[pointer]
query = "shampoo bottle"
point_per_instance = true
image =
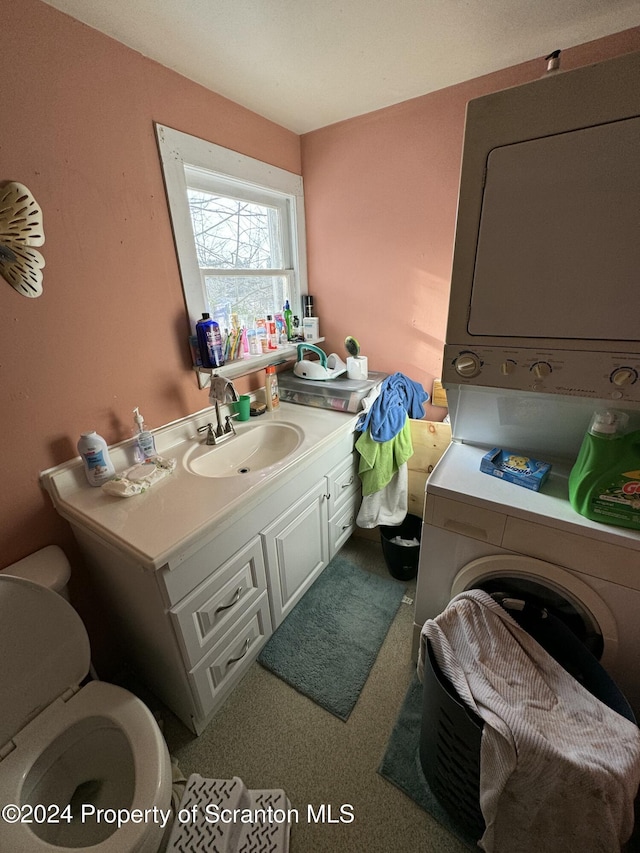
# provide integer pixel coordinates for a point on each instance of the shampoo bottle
(144, 438)
(209, 342)
(95, 454)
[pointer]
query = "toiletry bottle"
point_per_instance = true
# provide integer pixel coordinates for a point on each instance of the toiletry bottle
(296, 328)
(254, 343)
(144, 438)
(307, 306)
(272, 335)
(210, 342)
(95, 454)
(288, 314)
(261, 332)
(272, 396)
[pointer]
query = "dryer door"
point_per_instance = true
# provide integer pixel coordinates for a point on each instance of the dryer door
(566, 596)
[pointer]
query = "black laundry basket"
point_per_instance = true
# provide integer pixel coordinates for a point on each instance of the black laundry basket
(451, 733)
(402, 560)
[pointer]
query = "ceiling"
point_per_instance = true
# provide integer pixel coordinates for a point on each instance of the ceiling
(308, 63)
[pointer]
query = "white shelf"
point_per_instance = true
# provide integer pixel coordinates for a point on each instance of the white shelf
(251, 363)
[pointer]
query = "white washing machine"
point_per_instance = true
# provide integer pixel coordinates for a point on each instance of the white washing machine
(542, 331)
(480, 531)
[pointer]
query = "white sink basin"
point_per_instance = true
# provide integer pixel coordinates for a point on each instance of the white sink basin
(253, 449)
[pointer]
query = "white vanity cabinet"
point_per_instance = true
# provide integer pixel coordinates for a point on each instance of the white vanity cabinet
(191, 626)
(344, 501)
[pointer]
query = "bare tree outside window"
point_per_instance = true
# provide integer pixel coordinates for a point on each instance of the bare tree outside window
(239, 250)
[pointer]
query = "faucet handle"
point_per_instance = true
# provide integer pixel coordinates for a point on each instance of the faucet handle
(210, 433)
(229, 428)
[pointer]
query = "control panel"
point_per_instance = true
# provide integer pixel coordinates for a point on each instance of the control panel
(603, 376)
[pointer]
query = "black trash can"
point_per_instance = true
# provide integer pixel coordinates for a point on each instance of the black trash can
(402, 560)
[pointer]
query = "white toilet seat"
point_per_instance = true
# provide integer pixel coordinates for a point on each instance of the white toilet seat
(100, 707)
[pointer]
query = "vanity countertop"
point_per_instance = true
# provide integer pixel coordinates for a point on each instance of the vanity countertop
(184, 506)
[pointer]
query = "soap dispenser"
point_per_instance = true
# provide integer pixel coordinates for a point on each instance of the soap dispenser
(144, 438)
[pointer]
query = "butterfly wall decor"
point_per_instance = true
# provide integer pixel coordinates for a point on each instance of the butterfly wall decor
(20, 229)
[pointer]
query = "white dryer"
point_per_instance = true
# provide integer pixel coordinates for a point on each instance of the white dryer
(480, 531)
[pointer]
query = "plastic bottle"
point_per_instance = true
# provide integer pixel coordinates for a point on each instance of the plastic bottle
(604, 483)
(144, 438)
(296, 328)
(271, 392)
(288, 314)
(261, 333)
(272, 335)
(209, 342)
(254, 343)
(95, 454)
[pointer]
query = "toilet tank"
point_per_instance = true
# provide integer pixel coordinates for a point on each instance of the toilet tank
(48, 567)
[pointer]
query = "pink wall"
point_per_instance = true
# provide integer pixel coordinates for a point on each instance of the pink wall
(109, 332)
(381, 195)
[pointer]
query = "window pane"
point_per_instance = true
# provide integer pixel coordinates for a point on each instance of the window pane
(235, 234)
(250, 298)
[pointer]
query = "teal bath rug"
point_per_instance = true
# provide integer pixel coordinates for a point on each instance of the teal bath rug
(401, 762)
(326, 646)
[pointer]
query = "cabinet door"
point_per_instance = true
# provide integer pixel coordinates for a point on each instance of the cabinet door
(296, 547)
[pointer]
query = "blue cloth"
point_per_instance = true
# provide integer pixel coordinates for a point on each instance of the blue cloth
(399, 396)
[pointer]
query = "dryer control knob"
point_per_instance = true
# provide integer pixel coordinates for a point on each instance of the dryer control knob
(624, 376)
(541, 369)
(467, 365)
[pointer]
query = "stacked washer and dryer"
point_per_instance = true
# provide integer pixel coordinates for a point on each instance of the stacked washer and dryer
(543, 330)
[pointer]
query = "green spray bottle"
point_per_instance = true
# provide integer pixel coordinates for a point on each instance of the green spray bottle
(604, 483)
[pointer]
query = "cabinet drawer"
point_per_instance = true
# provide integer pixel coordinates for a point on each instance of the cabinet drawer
(342, 524)
(229, 659)
(210, 610)
(342, 480)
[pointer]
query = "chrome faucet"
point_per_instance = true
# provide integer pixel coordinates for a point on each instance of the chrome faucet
(222, 391)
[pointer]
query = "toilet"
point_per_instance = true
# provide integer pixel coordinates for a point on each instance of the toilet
(76, 762)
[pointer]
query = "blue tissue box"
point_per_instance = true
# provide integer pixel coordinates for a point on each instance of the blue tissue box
(515, 468)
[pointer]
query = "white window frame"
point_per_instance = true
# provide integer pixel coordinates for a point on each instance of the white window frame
(180, 151)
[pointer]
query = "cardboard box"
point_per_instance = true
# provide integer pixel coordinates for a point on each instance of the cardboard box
(515, 468)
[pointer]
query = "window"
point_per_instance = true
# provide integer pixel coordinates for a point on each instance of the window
(239, 230)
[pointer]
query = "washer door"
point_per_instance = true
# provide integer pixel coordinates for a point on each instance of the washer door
(562, 593)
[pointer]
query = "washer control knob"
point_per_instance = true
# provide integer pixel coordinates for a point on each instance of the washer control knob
(467, 365)
(508, 367)
(541, 369)
(624, 376)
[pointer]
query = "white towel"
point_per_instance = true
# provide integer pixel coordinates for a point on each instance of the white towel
(387, 506)
(559, 770)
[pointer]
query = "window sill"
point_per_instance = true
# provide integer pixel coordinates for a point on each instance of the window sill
(250, 364)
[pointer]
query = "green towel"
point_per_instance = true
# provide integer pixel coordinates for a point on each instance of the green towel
(379, 460)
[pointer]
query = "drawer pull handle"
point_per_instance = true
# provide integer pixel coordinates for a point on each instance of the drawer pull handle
(245, 649)
(348, 483)
(348, 524)
(233, 601)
